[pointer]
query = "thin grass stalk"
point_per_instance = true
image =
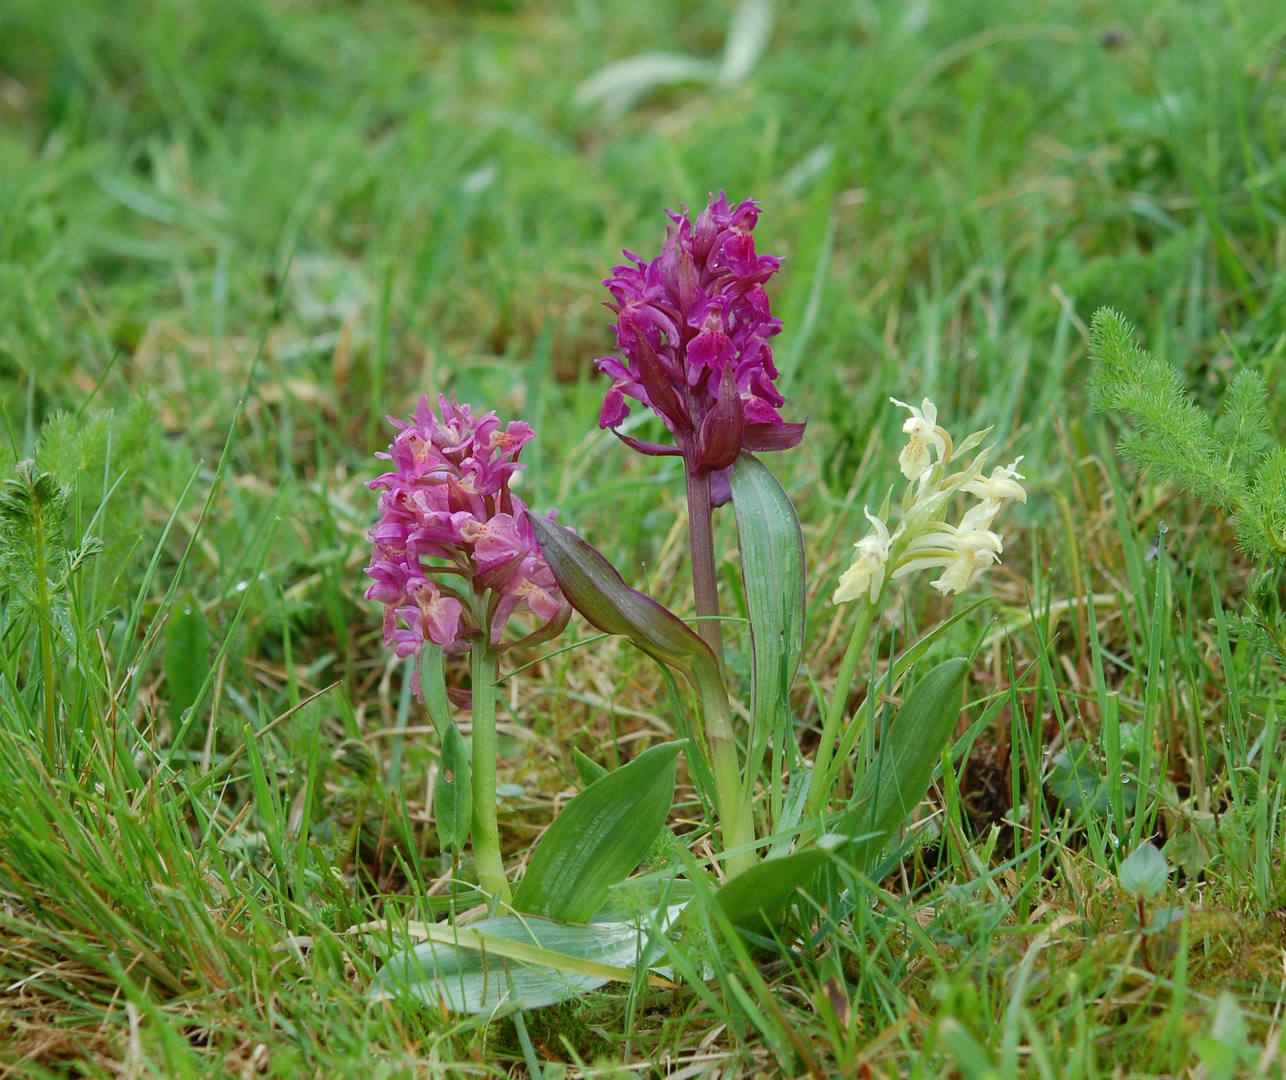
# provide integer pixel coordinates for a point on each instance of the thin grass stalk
(46, 640)
(839, 701)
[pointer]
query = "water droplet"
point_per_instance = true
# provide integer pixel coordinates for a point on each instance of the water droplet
(242, 586)
(1047, 750)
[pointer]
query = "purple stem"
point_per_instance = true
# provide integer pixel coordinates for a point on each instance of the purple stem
(704, 587)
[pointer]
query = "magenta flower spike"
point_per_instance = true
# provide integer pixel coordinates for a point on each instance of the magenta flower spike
(693, 325)
(454, 553)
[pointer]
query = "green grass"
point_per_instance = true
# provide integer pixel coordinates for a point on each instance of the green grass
(234, 236)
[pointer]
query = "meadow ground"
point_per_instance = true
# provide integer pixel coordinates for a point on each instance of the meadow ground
(234, 236)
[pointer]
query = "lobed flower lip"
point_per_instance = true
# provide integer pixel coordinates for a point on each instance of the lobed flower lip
(447, 499)
(866, 574)
(693, 325)
(924, 432)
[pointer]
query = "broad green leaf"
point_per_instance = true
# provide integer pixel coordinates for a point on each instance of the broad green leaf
(902, 770)
(593, 587)
(587, 768)
(187, 656)
(772, 571)
(758, 897)
(600, 836)
(453, 793)
(883, 684)
(512, 960)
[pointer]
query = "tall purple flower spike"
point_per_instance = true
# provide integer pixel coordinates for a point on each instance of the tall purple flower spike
(454, 553)
(693, 325)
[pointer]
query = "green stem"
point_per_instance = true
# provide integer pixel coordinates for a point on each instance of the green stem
(486, 833)
(46, 640)
(818, 793)
(736, 822)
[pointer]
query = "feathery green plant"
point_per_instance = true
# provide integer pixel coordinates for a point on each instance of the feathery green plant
(1233, 463)
(37, 563)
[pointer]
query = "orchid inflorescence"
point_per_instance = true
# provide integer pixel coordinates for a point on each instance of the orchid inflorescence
(693, 324)
(923, 539)
(454, 554)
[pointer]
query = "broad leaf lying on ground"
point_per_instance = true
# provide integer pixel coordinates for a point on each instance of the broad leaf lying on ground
(599, 837)
(512, 960)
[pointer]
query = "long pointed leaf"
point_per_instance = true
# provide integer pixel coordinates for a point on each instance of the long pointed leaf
(599, 838)
(453, 793)
(758, 897)
(593, 587)
(772, 570)
(900, 775)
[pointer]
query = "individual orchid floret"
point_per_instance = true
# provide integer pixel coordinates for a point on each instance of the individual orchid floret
(454, 554)
(924, 432)
(965, 550)
(866, 574)
(693, 325)
(1001, 485)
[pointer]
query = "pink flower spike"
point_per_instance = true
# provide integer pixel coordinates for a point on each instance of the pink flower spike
(695, 310)
(451, 541)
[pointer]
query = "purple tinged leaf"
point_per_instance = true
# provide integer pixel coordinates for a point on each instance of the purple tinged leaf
(656, 381)
(771, 437)
(594, 588)
(651, 449)
(720, 439)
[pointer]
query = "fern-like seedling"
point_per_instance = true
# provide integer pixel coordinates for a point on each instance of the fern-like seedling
(36, 567)
(1233, 463)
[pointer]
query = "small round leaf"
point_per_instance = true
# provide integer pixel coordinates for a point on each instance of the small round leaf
(1144, 872)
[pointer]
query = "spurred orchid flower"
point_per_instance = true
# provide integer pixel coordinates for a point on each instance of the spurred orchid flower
(924, 432)
(693, 325)
(1002, 484)
(965, 550)
(866, 574)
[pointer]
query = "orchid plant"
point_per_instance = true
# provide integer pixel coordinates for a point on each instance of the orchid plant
(454, 558)
(456, 554)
